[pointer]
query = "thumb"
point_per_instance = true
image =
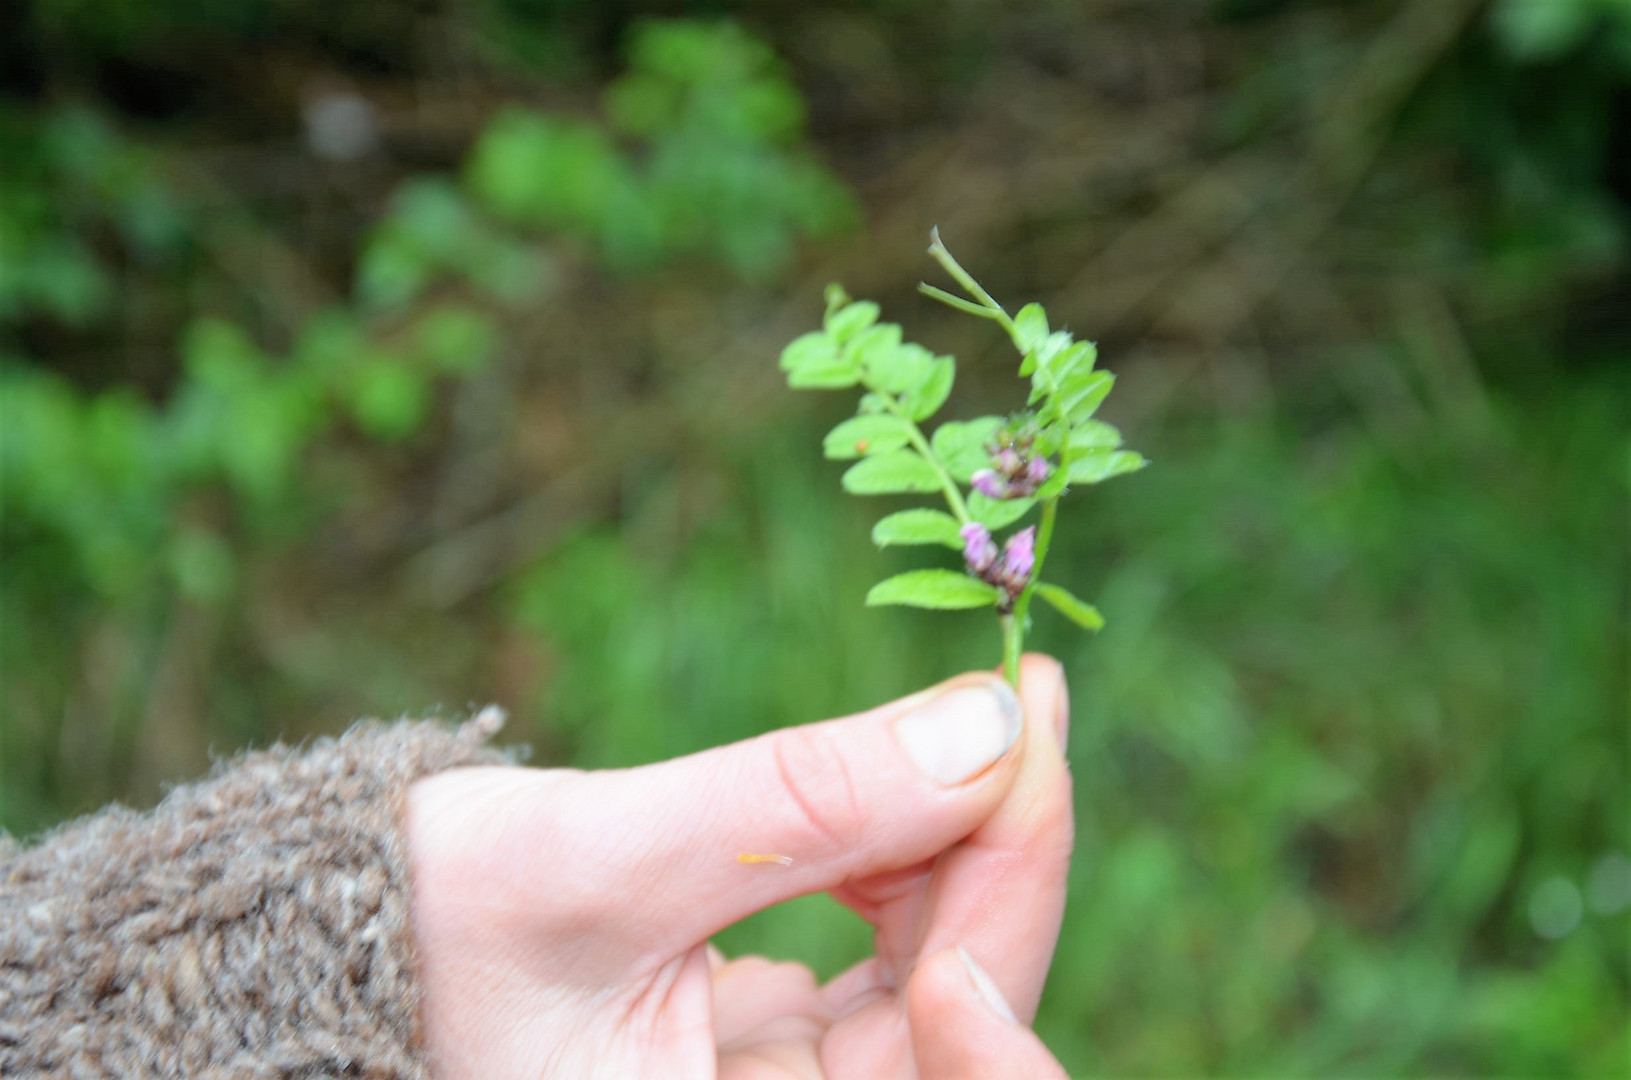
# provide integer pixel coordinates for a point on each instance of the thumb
(671, 853)
(963, 1029)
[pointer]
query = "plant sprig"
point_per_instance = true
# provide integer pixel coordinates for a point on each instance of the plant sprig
(1009, 465)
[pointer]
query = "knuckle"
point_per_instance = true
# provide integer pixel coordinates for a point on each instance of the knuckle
(821, 793)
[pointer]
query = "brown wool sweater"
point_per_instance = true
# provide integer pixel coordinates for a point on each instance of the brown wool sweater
(254, 924)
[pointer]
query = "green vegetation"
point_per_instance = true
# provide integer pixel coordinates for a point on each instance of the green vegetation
(472, 397)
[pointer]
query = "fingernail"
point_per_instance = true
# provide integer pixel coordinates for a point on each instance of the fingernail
(958, 734)
(987, 987)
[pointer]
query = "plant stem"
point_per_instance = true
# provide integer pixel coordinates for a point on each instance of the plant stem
(1013, 646)
(955, 301)
(991, 309)
(1044, 537)
(954, 497)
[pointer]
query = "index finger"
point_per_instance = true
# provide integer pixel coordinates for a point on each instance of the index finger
(1001, 893)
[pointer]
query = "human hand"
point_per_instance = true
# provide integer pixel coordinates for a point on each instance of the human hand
(562, 917)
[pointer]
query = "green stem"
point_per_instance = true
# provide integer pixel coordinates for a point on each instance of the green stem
(991, 309)
(1044, 529)
(955, 301)
(914, 434)
(1013, 646)
(1044, 537)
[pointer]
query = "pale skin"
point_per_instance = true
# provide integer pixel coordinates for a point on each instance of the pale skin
(563, 917)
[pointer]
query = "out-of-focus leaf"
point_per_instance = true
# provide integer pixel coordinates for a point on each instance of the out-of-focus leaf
(937, 589)
(814, 349)
(1077, 611)
(862, 435)
(850, 320)
(1098, 465)
(893, 473)
(1094, 435)
(924, 399)
(1030, 327)
(961, 445)
(997, 514)
(1080, 394)
(829, 376)
(918, 527)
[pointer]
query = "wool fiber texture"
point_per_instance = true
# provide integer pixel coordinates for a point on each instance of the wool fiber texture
(254, 924)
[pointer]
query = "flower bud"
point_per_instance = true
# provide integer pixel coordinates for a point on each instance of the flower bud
(979, 551)
(1019, 556)
(989, 484)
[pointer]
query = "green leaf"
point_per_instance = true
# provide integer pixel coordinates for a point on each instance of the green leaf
(1053, 354)
(918, 527)
(938, 589)
(1077, 611)
(960, 445)
(1077, 358)
(862, 435)
(1094, 435)
(1030, 327)
(1080, 396)
(834, 377)
(997, 513)
(891, 473)
(1099, 465)
(890, 366)
(1051, 439)
(835, 297)
(814, 349)
(850, 320)
(1049, 350)
(924, 400)
(1053, 485)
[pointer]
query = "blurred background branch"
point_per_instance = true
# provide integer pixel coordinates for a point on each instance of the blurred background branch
(396, 358)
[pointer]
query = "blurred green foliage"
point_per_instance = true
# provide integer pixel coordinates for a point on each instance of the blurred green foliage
(111, 499)
(492, 414)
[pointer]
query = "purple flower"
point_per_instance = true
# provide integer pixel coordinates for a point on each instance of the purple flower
(989, 484)
(1037, 470)
(979, 551)
(1019, 555)
(1008, 462)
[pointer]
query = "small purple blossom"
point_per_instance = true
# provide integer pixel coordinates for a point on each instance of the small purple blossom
(979, 550)
(1016, 469)
(989, 484)
(1019, 557)
(1009, 570)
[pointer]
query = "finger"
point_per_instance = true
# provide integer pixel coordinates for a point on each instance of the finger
(1001, 892)
(853, 987)
(785, 1053)
(894, 904)
(964, 1029)
(637, 863)
(752, 991)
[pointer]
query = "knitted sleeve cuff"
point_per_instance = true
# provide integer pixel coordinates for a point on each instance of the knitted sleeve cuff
(254, 924)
